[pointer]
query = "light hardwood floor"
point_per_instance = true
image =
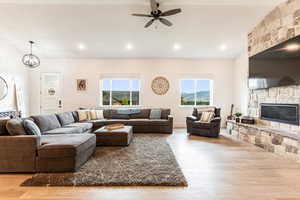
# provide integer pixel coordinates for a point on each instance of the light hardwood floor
(216, 169)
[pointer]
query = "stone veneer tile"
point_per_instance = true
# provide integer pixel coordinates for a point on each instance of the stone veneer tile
(290, 142)
(273, 92)
(277, 140)
(284, 126)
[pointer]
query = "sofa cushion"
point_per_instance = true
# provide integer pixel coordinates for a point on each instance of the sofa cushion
(31, 128)
(148, 122)
(68, 145)
(165, 113)
(46, 122)
(106, 113)
(65, 118)
(64, 130)
(84, 126)
(75, 115)
(155, 114)
(97, 123)
(115, 115)
(143, 114)
(201, 125)
(15, 127)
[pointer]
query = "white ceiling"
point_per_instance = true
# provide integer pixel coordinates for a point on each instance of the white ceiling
(105, 28)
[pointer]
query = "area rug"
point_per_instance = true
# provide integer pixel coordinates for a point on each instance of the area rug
(147, 161)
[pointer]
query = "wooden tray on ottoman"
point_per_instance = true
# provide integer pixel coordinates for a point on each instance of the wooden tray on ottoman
(114, 126)
(117, 137)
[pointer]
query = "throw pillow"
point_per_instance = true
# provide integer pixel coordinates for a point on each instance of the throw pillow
(15, 127)
(31, 128)
(83, 115)
(93, 115)
(206, 117)
(99, 114)
(155, 114)
(200, 110)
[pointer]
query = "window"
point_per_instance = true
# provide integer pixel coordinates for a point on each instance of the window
(120, 92)
(196, 92)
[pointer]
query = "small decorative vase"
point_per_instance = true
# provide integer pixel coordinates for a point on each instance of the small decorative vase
(237, 120)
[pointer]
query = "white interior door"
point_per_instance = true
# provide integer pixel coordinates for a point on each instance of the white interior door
(51, 93)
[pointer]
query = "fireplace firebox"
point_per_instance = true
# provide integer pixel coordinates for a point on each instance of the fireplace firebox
(283, 113)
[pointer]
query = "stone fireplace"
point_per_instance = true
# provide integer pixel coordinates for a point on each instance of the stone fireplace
(281, 24)
(280, 95)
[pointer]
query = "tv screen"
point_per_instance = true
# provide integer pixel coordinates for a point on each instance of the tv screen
(277, 66)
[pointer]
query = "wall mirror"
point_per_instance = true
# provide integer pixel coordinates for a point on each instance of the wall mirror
(3, 88)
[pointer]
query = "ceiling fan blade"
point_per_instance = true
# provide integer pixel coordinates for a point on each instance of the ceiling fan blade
(149, 23)
(153, 5)
(171, 12)
(141, 15)
(165, 22)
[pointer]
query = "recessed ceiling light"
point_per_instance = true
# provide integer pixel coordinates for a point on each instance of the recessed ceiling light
(81, 46)
(293, 47)
(223, 47)
(129, 46)
(176, 47)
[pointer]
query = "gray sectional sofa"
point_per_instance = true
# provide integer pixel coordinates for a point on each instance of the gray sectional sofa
(66, 144)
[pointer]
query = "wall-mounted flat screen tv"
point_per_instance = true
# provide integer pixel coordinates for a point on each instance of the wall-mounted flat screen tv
(277, 66)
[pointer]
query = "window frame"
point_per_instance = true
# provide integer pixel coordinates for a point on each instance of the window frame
(110, 92)
(211, 91)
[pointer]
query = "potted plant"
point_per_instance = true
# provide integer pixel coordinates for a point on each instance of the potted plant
(237, 117)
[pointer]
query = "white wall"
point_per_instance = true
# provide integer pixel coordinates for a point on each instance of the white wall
(221, 71)
(241, 92)
(12, 69)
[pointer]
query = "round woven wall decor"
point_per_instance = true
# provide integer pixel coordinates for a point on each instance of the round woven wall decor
(160, 85)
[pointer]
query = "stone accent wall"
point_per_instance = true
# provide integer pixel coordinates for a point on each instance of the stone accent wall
(283, 143)
(281, 24)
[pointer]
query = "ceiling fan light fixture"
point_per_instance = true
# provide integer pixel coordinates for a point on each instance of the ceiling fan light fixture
(30, 60)
(157, 14)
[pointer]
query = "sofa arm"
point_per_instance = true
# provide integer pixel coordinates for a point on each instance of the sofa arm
(191, 118)
(22, 141)
(17, 153)
(216, 121)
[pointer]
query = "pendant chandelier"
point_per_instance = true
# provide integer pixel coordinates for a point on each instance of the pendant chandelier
(31, 60)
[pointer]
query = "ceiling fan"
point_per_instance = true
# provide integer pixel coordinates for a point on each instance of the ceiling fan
(157, 14)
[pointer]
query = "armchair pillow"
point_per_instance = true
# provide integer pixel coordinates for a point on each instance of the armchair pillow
(206, 117)
(200, 110)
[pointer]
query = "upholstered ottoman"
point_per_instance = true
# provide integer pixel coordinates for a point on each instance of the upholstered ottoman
(65, 152)
(118, 137)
